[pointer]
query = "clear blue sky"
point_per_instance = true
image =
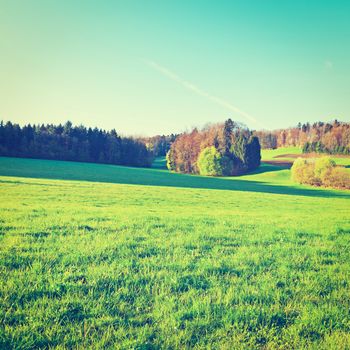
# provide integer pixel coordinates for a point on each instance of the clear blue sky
(148, 67)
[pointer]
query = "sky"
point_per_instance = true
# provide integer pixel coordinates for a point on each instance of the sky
(157, 67)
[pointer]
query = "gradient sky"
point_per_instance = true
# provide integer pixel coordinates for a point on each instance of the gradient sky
(147, 67)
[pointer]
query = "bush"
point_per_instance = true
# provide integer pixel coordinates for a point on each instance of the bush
(323, 168)
(303, 172)
(209, 162)
(320, 172)
(338, 177)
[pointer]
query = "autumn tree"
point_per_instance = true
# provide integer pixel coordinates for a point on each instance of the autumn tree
(320, 137)
(239, 150)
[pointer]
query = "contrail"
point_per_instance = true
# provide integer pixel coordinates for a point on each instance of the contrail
(188, 85)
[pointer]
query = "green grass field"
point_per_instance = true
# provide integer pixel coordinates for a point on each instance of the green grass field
(288, 154)
(100, 256)
(270, 154)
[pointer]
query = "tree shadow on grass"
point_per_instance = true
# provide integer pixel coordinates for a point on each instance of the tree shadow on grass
(61, 170)
(159, 163)
(265, 168)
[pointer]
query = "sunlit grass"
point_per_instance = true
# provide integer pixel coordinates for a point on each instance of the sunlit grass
(270, 154)
(221, 264)
(288, 154)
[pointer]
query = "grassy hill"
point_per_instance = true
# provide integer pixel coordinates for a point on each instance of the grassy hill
(289, 154)
(101, 256)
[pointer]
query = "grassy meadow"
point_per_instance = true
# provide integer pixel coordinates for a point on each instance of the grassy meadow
(281, 152)
(100, 256)
(289, 154)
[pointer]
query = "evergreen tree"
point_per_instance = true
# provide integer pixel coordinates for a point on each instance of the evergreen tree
(71, 143)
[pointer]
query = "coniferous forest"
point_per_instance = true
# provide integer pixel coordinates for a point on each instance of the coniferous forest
(73, 143)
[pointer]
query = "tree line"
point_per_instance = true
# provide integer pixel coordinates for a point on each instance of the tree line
(73, 143)
(220, 149)
(235, 150)
(320, 137)
(159, 144)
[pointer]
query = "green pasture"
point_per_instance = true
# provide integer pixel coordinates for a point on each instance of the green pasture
(271, 154)
(105, 257)
(286, 154)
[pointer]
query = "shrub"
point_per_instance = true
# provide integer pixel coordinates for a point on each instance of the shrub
(209, 162)
(338, 177)
(323, 168)
(297, 170)
(303, 172)
(320, 172)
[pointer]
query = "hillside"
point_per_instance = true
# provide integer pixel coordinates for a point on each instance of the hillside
(105, 256)
(287, 155)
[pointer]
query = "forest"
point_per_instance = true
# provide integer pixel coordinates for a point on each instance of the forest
(73, 143)
(228, 148)
(320, 137)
